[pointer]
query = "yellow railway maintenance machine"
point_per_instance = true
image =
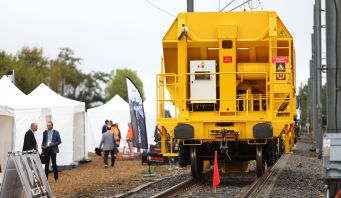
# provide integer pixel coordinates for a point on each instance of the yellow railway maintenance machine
(231, 77)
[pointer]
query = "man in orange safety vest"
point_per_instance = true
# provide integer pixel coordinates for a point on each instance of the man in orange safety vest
(130, 140)
(114, 129)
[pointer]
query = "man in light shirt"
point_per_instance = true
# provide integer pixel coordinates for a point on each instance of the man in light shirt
(51, 140)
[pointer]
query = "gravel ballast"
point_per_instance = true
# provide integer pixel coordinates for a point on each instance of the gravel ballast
(300, 181)
(292, 181)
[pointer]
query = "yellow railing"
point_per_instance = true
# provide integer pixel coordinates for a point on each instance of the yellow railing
(248, 99)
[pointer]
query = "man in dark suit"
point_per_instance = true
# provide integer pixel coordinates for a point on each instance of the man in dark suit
(51, 140)
(30, 142)
(104, 127)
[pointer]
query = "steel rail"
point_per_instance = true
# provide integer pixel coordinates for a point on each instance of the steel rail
(259, 181)
(184, 186)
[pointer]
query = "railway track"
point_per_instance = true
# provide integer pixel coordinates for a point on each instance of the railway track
(184, 186)
(255, 188)
(257, 185)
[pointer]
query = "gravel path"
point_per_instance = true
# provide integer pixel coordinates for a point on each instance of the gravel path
(300, 181)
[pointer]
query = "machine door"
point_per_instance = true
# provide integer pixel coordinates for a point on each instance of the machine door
(203, 86)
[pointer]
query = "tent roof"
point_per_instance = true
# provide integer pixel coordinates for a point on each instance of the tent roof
(14, 98)
(44, 95)
(115, 104)
(10, 95)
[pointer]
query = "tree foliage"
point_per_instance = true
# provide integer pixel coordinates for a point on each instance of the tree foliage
(62, 74)
(117, 84)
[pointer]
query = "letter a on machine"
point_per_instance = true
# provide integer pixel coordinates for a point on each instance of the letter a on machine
(24, 174)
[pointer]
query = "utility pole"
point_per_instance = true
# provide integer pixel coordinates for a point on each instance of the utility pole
(190, 5)
(318, 67)
(331, 139)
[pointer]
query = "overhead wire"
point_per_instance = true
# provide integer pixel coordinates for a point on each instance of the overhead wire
(160, 8)
(260, 5)
(239, 5)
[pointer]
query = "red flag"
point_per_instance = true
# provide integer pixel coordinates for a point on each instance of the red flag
(216, 178)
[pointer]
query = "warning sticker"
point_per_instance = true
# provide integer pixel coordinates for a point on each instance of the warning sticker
(227, 59)
(326, 143)
(282, 33)
(280, 59)
(280, 67)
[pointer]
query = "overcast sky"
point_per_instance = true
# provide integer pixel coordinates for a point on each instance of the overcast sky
(112, 34)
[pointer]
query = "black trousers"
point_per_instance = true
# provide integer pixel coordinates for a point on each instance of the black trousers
(106, 154)
(50, 154)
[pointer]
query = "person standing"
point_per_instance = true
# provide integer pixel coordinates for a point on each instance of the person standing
(130, 140)
(115, 130)
(109, 141)
(51, 140)
(30, 142)
(118, 134)
(104, 127)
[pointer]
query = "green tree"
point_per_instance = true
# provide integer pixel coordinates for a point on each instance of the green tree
(117, 84)
(30, 67)
(71, 77)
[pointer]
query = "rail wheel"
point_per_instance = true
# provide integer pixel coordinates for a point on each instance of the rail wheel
(260, 162)
(196, 165)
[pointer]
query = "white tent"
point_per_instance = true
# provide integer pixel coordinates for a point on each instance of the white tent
(26, 111)
(14, 103)
(6, 134)
(116, 110)
(68, 117)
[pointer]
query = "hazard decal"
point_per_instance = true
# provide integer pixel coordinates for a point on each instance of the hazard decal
(280, 67)
(282, 33)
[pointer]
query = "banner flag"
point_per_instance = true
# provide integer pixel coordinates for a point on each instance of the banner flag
(10, 76)
(137, 116)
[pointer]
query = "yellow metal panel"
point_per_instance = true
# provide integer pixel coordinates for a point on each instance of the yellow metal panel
(227, 81)
(227, 31)
(273, 26)
(239, 167)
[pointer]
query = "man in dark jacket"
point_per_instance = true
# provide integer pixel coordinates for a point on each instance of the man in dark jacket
(51, 140)
(104, 127)
(30, 142)
(109, 142)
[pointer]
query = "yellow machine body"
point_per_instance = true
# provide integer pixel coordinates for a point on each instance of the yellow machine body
(255, 56)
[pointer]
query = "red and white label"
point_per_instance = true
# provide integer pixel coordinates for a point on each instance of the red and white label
(227, 59)
(280, 59)
(326, 143)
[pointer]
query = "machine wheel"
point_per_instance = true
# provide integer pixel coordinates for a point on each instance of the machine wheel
(271, 153)
(260, 163)
(196, 165)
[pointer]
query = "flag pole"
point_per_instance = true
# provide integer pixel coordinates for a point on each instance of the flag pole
(216, 178)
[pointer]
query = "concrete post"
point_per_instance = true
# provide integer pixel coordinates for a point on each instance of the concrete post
(318, 65)
(333, 37)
